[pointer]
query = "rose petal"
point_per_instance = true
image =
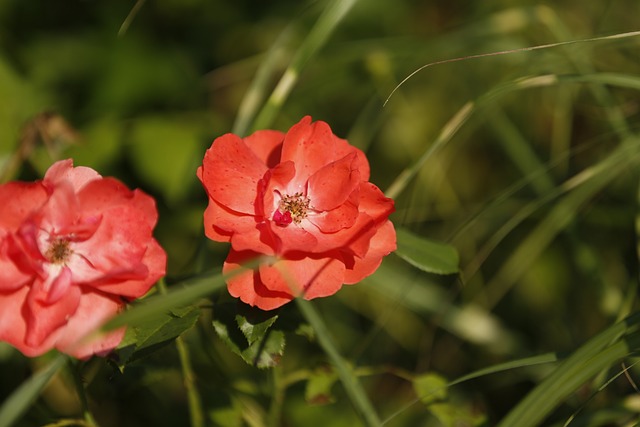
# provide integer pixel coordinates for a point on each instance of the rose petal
(18, 200)
(23, 249)
(226, 221)
(292, 238)
(43, 318)
(11, 277)
(63, 171)
(354, 239)
(335, 213)
(243, 231)
(344, 216)
(59, 285)
(267, 145)
(312, 145)
(147, 205)
(247, 285)
(110, 192)
(374, 208)
(94, 310)
(382, 244)
(107, 233)
(230, 173)
(274, 186)
(61, 212)
(13, 324)
(115, 250)
(311, 277)
(374, 202)
(260, 239)
(332, 185)
(155, 260)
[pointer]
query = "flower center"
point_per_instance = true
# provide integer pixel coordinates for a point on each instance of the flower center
(292, 208)
(59, 251)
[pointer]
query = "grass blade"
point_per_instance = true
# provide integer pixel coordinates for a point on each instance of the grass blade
(319, 34)
(26, 394)
(175, 297)
(256, 91)
(597, 354)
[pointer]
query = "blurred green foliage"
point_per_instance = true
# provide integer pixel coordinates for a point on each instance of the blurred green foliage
(532, 190)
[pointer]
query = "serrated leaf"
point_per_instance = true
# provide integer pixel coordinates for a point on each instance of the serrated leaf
(254, 323)
(318, 389)
(145, 338)
(430, 388)
(425, 254)
(267, 352)
(250, 334)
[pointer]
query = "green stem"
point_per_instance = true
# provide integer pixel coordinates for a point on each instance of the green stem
(195, 406)
(347, 377)
(75, 367)
(277, 399)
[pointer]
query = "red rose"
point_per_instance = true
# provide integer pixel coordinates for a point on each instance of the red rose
(301, 198)
(73, 248)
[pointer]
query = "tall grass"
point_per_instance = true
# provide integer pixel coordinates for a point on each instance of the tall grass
(509, 132)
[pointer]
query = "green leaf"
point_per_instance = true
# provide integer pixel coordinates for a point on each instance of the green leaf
(254, 323)
(248, 332)
(427, 255)
(146, 338)
(318, 389)
(16, 404)
(453, 414)
(305, 330)
(430, 388)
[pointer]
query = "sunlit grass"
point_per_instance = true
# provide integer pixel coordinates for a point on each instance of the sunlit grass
(518, 145)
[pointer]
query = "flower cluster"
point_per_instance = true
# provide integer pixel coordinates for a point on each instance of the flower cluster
(74, 247)
(302, 200)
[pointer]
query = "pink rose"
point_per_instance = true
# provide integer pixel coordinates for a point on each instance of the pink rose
(74, 248)
(303, 200)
